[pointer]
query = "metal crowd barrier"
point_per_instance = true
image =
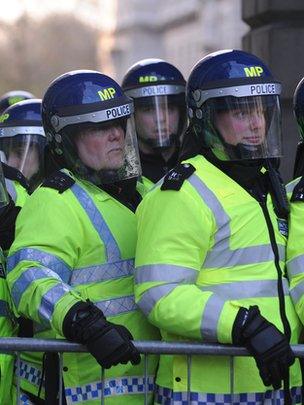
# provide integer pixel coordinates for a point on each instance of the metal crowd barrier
(17, 345)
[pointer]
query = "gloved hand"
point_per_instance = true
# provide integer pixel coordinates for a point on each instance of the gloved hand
(265, 343)
(109, 343)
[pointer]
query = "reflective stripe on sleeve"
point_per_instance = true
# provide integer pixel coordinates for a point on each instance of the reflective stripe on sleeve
(49, 300)
(102, 272)
(166, 273)
(295, 266)
(117, 306)
(153, 295)
(45, 259)
(28, 277)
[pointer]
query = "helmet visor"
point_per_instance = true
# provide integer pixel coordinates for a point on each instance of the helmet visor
(159, 120)
(26, 154)
(244, 128)
(103, 153)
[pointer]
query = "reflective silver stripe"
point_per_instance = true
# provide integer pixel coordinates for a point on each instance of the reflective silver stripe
(13, 131)
(29, 276)
(200, 96)
(297, 292)
(49, 300)
(221, 255)
(117, 306)
(165, 272)
(247, 289)
(112, 249)
(242, 256)
(157, 90)
(290, 186)
(11, 189)
(96, 116)
(210, 318)
(45, 259)
(295, 266)
(102, 272)
(233, 291)
(153, 295)
(126, 385)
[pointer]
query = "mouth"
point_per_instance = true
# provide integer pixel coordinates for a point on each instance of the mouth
(116, 150)
(253, 139)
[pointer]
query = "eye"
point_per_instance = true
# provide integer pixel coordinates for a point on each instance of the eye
(239, 114)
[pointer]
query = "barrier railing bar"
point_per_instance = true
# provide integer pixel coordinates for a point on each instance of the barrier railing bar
(148, 347)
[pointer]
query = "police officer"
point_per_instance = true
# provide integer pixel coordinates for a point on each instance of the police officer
(295, 252)
(13, 97)
(22, 143)
(158, 91)
(211, 242)
(298, 108)
(73, 276)
(8, 325)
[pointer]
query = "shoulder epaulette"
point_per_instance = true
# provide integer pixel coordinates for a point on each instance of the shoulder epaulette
(175, 178)
(298, 191)
(59, 181)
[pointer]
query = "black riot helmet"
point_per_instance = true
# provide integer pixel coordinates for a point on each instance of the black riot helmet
(233, 106)
(12, 97)
(158, 91)
(89, 125)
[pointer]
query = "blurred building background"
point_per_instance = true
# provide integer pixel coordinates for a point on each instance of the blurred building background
(181, 32)
(40, 39)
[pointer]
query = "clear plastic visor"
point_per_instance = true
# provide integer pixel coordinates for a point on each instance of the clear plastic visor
(26, 154)
(102, 153)
(159, 121)
(245, 127)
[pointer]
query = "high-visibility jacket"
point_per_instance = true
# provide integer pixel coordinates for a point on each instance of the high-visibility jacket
(147, 183)
(17, 192)
(8, 328)
(202, 253)
(295, 250)
(71, 246)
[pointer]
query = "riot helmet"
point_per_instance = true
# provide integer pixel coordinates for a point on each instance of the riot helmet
(233, 106)
(89, 126)
(158, 91)
(22, 140)
(12, 97)
(298, 106)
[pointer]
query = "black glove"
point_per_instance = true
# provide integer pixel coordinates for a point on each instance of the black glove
(8, 215)
(265, 343)
(109, 343)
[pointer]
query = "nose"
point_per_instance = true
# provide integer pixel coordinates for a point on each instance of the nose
(161, 114)
(256, 120)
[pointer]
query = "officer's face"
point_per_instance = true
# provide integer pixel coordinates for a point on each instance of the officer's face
(101, 148)
(242, 126)
(154, 122)
(24, 157)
